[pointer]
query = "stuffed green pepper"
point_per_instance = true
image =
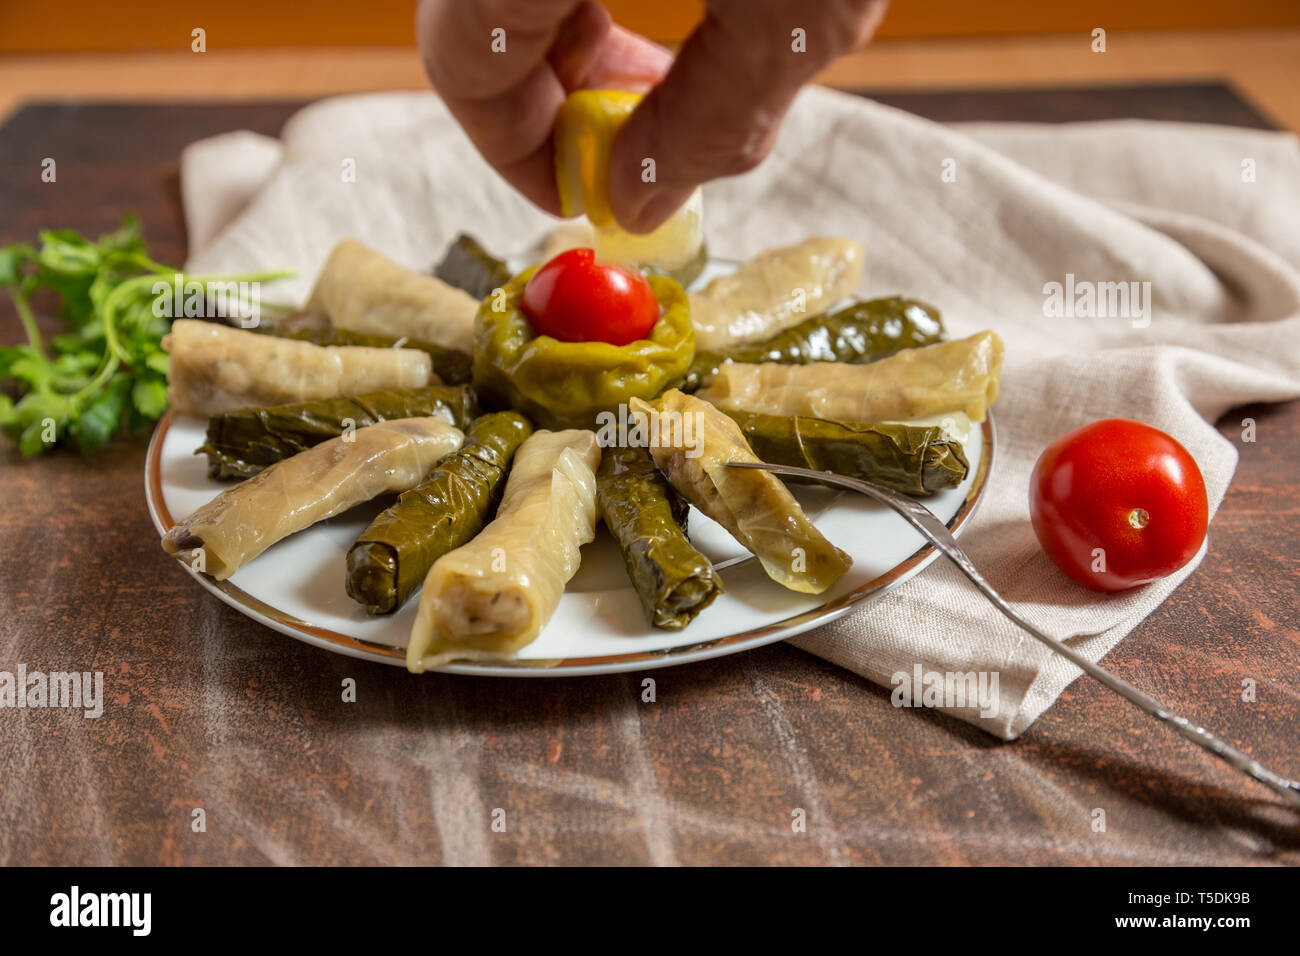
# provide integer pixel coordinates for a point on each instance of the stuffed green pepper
(572, 378)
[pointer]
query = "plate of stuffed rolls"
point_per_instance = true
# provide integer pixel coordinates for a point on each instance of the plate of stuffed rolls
(518, 464)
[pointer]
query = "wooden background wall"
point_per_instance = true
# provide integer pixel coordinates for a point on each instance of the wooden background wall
(82, 25)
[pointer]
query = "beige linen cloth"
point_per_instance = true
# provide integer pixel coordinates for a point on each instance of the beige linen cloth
(975, 218)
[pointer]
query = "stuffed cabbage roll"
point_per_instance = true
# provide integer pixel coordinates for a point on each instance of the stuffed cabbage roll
(492, 596)
(361, 290)
(647, 519)
(862, 332)
(957, 376)
(451, 366)
(246, 519)
(911, 459)
(215, 368)
(392, 556)
(243, 442)
(692, 442)
(763, 297)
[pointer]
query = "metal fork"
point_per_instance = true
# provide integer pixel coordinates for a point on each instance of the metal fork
(936, 532)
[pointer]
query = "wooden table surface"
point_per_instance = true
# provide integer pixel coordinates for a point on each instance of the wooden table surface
(206, 709)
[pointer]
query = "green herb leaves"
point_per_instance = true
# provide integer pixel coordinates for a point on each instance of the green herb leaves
(108, 370)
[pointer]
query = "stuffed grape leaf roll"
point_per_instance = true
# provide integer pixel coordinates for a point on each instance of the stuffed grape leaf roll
(242, 442)
(862, 332)
(246, 519)
(492, 596)
(392, 556)
(915, 460)
(647, 519)
(957, 376)
(471, 268)
(214, 368)
(692, 442)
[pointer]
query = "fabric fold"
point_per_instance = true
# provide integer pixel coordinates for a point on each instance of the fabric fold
(983, 220)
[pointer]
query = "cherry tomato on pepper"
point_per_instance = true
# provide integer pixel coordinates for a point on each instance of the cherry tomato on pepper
(574, 298)
(1118, 503)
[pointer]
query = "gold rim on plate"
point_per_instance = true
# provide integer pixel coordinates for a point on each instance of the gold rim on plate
(335, 641)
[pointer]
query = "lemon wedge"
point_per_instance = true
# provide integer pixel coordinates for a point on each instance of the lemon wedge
(584, 135)
(585, 129)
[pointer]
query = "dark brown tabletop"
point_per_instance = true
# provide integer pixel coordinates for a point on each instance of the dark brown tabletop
(207, 709)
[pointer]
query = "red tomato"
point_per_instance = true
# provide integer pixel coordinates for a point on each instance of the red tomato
(1122, 487)
(574, 298)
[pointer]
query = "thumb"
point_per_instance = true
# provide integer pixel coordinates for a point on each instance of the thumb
(719, 109)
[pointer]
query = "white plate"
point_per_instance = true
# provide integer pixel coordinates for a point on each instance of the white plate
(297, 586)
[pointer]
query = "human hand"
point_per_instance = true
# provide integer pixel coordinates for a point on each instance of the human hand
(713, 111)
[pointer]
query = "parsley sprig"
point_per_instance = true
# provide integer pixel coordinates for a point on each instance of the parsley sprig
(107, 370)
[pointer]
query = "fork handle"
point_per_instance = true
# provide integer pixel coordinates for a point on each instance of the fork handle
(936, 532)
(1287, 788)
